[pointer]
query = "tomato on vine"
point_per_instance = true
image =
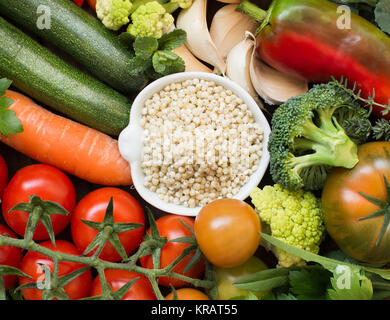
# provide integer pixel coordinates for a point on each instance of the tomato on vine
(46, 183)
(9, 256)
(141, 289)
(33, 264)
(172, 227)
(93, 207)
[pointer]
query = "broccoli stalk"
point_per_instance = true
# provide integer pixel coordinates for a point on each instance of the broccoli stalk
(307, 138)
(329, 142)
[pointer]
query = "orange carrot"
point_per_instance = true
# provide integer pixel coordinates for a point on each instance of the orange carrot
(67, 145)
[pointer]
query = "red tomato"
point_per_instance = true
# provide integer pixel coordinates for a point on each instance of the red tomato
(3, 175)
(140, 290)
(171, 227)
(9, 256)
(93, 208)
(76, 289)
(45, 181)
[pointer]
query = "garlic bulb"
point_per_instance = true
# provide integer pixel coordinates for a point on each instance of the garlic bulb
(228, 28)
(199, 42)
(272, 85)
(238, 66)
(191, 63)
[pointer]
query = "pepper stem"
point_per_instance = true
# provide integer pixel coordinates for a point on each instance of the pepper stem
(252, 11)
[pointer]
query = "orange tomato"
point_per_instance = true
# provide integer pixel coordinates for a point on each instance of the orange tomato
(188, 294)
(228, 232)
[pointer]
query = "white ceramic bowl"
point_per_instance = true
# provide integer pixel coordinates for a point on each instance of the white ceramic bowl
(131, 139)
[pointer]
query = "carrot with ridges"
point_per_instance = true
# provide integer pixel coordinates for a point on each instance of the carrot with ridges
(72, 147)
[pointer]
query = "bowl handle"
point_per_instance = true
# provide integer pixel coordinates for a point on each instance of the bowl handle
(130, 143)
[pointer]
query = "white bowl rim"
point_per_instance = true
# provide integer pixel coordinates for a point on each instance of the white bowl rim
(132, 135)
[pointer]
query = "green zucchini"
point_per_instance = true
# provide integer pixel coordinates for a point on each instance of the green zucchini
(80, 35)
(42, 75)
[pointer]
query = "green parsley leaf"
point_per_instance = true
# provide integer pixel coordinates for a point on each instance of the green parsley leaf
(172, 39)
(144, 47)
(382, 15)
(9, 123)
(309, 284)
(167, 62)
(350, 284)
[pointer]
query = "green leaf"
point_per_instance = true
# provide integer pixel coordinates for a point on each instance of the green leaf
(120, 227)
(8, 270)
(382, 15)
(194, 260)
(94, 243)
(137, 66)
(190, 240)
(285, 296)
(52, 207)
(109, 215)
(167, 62)
(172, 40)
(309, 284)
(264, 280)
(65, 279)
(120, 293)
(350, 284)
(249, 296)
(127, 40)
(4, 85)
(9, 123)
(144, 47)
(327, 263)
(118, 246)
(46, 221)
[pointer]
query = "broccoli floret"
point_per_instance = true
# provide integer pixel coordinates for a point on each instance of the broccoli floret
(150, 19)
(294, 217)
(113, 13)
(308, 139)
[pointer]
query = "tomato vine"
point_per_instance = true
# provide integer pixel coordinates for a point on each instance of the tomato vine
(152, 244)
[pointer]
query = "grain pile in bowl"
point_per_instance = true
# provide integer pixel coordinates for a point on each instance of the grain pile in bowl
(201, 143)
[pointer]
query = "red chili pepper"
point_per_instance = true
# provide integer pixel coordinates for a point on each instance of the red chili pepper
(303, 38)
(79, 2)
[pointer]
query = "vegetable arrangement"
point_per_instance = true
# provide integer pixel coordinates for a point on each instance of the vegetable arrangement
(328, 184)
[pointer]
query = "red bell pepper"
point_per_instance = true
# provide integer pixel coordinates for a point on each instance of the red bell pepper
(79, 2)
(302, 38)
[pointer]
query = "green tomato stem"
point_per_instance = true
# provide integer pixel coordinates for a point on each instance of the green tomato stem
(101, 265)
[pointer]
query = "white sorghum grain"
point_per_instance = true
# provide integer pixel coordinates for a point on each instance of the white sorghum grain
(201, 143)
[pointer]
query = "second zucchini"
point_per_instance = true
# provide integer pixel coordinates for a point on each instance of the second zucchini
(45, 77)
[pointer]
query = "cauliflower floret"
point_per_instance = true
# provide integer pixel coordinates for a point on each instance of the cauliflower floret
(150, 19)
(184, 4)
(113, 13)
(294, 217)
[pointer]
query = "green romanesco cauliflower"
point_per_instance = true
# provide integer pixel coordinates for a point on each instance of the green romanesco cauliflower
(114, 13)
(150, 20)
(294, 217)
